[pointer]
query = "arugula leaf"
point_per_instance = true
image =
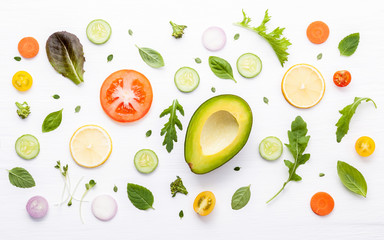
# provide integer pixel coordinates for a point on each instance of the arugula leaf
(221, 68)
(241, 197)
(21, 178)
(347, 113)
(169, 128)
(52, 121)
(140, 196)
(298, 141)
(151, 57)
(275, 38)
(349, 44)
(352, 178)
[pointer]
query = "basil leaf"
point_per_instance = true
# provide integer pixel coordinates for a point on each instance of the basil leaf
(349, 44)
(148, 133)
(56, 96)
(221, 68)
(66, 55)
(198, 60)
(266, 100)
(19, 177)
(241, 197)
(77, 109)
(110, 57)
(237, 169)
(140, 196)
(17, 58)
(52, 121)
(236, 37)
(181, 214)
(213, 89)
(319, 56)
(352, 178)
(151, 57)
(115, 188)
(130, 32)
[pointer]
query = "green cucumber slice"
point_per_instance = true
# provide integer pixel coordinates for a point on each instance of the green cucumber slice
(146, 161)
(249, 65)
(27, 146)
(99, 31)
(270, 148)
(187, 79)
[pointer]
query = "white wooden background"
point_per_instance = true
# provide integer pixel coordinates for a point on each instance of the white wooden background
(288, 216)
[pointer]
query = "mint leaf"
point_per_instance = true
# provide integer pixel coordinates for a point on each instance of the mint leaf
(241, 197)
(21, 178)
(140, 196)
(349, 44)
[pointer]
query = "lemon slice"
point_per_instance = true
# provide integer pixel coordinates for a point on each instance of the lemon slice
(303, 86)
(90, 146)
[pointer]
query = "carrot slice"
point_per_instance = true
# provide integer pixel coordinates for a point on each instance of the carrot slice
(28, 47)
(317, 32)
(322, 203)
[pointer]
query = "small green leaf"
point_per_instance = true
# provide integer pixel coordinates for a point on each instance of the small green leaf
(141, 197)
(110, 57)
(148, 133)
(221, 68)
(181, 214)
(77, 109)
(130, 32)
(169, 128)
(266, 101)
(237, 169)
(21, 178)
(352, 178)
(17, 58)
(236, 37)
(198, 60)
(321, 174)
(151, 57)
(56, 96)
(213, 89)
(52, 121)
(241, 197)
(349, 44)
(319, 56)
(115, 188)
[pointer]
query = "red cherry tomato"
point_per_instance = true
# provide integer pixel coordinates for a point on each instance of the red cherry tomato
(342, 78)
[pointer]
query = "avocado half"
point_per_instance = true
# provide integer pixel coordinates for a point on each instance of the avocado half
(217, 131)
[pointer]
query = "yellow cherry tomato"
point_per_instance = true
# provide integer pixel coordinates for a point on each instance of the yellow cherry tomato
(204, 203)
(22, 81)
(365, 146)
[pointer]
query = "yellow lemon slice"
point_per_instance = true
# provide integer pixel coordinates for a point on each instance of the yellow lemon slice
(303, 86)
(90, 146)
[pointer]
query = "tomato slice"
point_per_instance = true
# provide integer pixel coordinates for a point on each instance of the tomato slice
(365, 146)
(22, 81)
(342, 78)
(204, 203)
(126, 96)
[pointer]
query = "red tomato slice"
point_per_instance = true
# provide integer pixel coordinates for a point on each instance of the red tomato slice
(126, 96)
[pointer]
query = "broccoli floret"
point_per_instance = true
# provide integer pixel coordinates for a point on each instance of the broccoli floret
(178, 186)
(23, 110)
(178, 30)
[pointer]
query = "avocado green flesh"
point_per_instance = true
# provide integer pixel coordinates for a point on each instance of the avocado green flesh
(217, 131)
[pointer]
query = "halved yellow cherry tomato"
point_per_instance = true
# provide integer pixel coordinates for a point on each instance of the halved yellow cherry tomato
(365, 146)
(22, 81)
(204, 203)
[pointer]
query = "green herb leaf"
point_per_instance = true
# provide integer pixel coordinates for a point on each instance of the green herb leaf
(237, 169)
(236, 37)
(241, 197)
(181, 214)
(198, 60)
(352, 178)
(349, 44)
(321, 174)
(115, 188)
(52, 121)
(88, 186)
(213, 89)
(66, 55)
(148, 133)
(21, 178)
(177, 186)
(56, 96)
(266, 101)
(17, 58)
(77, 109)
(319, 56)
(346, 116)
(110, 57)
(221, 68)
(140, 197)
(130, 32)
(169, 128)
(298, 141)
(275, 38)
(151, 57)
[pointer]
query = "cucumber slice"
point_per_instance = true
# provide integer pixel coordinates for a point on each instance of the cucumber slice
(99, 31)
(249, 65)
(270, 148)
(27, 146)
(146, 161)
(187, 79)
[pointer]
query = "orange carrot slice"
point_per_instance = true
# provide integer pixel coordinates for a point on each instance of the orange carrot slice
(28, 47)
(322, 203)
(317, 32)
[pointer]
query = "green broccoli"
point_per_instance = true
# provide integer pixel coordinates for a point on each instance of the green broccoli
(178, 186)
(23, 110)
(178, 30)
